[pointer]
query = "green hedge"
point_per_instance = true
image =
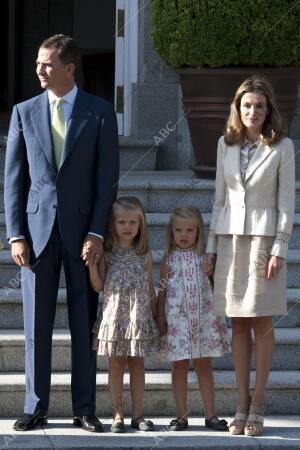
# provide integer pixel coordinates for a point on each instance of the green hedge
(217, 33)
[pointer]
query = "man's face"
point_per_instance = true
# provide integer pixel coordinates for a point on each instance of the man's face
(52, 72)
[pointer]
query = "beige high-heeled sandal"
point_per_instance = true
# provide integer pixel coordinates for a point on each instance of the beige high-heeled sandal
(238, 424)
(255, 423)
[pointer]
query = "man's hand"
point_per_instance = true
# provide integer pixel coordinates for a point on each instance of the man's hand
(274, 265)
(20, 252)
(92, 249)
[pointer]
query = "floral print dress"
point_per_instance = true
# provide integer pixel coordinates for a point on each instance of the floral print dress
(193, 330)
(126, 327)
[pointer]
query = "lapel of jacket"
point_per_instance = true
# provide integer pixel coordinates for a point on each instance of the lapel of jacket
(40, 116)
(79, 118)
(233, 163)
(259, 156)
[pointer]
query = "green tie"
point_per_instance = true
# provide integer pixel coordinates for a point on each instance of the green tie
(58, 130)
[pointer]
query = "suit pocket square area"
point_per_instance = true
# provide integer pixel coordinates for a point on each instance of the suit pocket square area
(32, 208)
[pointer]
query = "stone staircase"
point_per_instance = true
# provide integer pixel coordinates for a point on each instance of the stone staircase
(159, 192)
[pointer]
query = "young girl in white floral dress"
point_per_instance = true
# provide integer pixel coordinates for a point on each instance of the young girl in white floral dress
(126, 332)
(185, 315)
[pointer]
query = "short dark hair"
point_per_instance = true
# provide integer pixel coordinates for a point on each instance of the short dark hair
(67, 49)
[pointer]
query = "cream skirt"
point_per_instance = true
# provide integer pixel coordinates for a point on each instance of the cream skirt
(241, 288)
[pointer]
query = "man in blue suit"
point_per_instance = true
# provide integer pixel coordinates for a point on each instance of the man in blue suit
(61, 175)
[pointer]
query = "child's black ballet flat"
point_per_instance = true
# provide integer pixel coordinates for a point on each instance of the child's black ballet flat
(219, 425)
(178, 424)
(141, 424)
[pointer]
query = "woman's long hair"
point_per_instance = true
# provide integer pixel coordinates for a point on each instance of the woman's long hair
(273, 129)
(140, 242)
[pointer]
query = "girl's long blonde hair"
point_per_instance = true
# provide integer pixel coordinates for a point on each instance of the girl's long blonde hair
(140, 242)
(273, 128)
(187, 212)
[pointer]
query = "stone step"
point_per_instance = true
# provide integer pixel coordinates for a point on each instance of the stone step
(286, 354)
(11, 310)
(280, 432)
(283, 394)
(162, 191)
(135, 154)
(158, 223)
(10, 274)
(2, 154)
(12, 353)
(157, 227)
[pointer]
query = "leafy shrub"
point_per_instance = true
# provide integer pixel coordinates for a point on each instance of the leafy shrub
(217, 33)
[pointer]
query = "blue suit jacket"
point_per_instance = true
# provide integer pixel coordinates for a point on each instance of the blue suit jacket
(80, 192)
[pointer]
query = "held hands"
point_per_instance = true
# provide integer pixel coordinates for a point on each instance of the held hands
(20, 252)
(162, 327)
(163, 330)
(92, 249)
(209, 263)
(274, 265)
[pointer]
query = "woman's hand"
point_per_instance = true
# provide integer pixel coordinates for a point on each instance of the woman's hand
(274, 265)
(209, 263)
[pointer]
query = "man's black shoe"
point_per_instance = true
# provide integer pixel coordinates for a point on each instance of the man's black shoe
(88, 423)
(30, 421)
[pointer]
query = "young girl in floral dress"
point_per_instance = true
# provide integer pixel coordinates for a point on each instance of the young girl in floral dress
(185, 315)
(127, 331)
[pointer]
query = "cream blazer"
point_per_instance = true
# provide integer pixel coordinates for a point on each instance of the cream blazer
(262, 205)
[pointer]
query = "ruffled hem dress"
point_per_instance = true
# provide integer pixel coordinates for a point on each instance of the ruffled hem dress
(193, 330)
(126, 326)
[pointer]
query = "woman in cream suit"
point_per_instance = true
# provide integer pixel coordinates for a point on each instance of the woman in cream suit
(251, 224)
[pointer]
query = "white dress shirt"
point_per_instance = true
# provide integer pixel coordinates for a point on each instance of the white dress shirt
(67, 104)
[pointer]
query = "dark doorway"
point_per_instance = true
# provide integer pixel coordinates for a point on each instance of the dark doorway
(98, 74)
(10, 74)
(94, 30)
(4, 56)
(90, 22)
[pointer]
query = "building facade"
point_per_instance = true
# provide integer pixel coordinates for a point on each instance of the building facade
(118, 63)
